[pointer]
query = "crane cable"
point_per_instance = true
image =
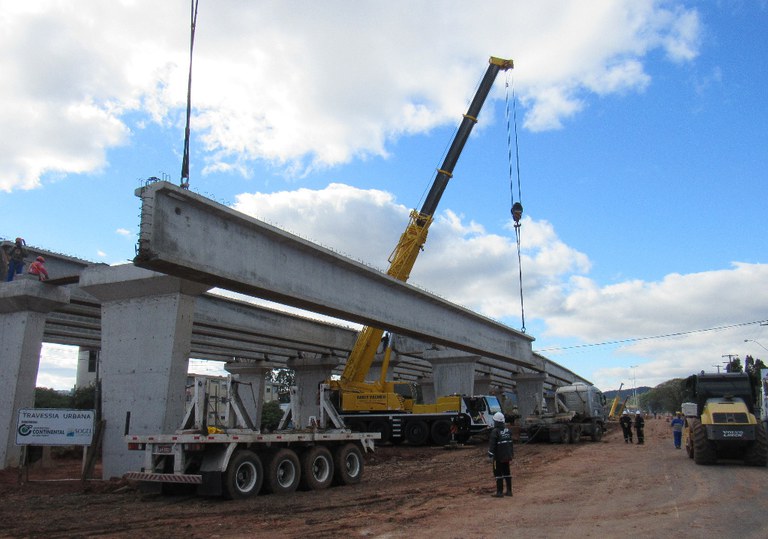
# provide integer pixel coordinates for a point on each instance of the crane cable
(516, 206)
(185, 161)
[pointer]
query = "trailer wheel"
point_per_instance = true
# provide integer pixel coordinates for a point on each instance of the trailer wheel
(416, 432)
(382, 427)
(757, 452)
(244, 476)
(316, 468)
(565, 435)
(284, 472)
(348, 465)
(441, 432)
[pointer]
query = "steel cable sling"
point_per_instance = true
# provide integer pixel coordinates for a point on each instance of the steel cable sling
(516, 206)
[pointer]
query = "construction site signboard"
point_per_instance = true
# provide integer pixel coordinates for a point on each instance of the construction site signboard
(52, 426)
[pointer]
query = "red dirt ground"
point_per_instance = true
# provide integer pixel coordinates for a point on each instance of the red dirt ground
(604, 489)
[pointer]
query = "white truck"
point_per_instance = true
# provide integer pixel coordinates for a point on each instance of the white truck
(580, 411)
(238, 461)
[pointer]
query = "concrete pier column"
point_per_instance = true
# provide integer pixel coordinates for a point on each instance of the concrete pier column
(530, 393)
(24, 305)
(453, 371)
(311, 371)
(250, 380)
(427, 385)
(146, 320)
(483, 383)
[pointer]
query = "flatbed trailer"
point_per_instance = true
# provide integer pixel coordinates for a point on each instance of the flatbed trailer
(238, 461)
(243, 463)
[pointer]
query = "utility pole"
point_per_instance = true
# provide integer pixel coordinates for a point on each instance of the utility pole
(730, 357)
(634, 385)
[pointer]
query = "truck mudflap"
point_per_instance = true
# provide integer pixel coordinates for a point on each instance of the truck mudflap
(185, 479)
(744, 433)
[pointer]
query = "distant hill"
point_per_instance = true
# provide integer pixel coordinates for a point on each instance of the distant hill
(610, 395)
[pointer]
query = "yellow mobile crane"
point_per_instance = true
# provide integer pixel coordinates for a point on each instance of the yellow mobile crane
(353, 394)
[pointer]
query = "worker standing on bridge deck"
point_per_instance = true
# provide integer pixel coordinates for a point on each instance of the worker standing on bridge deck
(500, 451)
(626, 427)
(16, 259)
(38, 268)
(640, 428)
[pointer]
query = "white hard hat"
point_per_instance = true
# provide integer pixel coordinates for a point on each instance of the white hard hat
(498, 416)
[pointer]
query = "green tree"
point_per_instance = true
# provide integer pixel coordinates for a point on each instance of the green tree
(283, 379)
(271, 414)
(734, 365)
(50, 398)
(665, 397)
(84, 398)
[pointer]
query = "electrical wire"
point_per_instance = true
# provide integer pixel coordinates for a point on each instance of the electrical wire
(638, 339)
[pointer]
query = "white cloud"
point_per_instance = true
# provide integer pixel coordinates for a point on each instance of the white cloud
(300, 84)
(467, 265)
(123, 232)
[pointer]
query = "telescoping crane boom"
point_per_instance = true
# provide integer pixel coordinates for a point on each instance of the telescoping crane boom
(352, 381)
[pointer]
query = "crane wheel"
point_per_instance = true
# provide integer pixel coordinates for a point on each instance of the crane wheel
(441, 432)
(416, 432)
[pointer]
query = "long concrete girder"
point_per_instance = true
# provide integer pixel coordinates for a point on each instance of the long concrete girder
(189, 236)
(225, 328)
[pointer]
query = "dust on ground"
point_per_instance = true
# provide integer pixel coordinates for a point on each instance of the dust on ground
(602, 489)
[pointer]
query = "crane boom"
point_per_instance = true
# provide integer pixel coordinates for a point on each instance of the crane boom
(404, 255)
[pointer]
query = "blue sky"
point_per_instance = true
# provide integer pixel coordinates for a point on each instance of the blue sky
(642, 141)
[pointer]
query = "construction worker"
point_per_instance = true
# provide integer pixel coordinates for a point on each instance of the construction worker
(38, 268)
(16, 257)
(677, 424)
(640, 428)
(626, 426)
(500, 451)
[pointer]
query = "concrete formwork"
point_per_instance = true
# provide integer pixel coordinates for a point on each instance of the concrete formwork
(24, 305)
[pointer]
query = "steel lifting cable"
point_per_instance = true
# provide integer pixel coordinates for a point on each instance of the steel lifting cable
(185, 161)
(516, 206)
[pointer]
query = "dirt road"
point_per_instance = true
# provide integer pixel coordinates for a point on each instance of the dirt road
(606, 489)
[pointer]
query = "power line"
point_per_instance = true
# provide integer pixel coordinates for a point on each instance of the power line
(666, 336)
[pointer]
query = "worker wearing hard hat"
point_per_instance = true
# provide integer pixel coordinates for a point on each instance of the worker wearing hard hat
(640, 427)
(37, 268)
(16, 256)
(626, 426)
(500, 451)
